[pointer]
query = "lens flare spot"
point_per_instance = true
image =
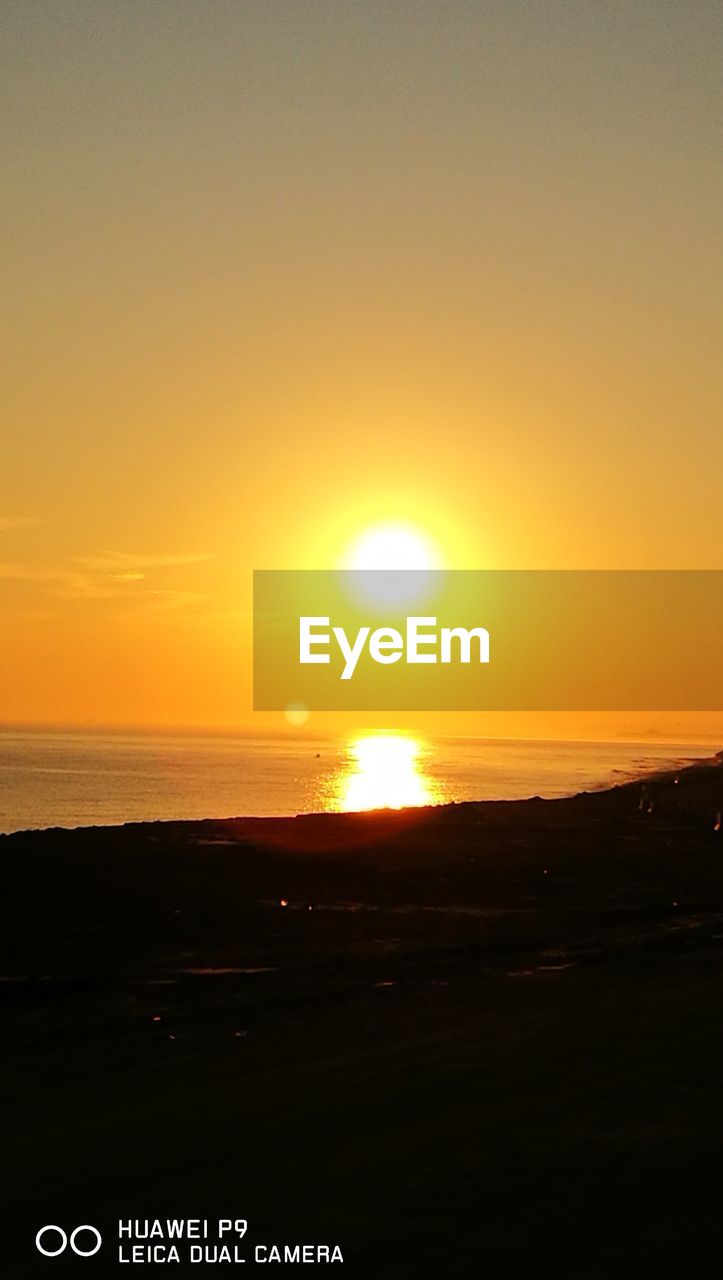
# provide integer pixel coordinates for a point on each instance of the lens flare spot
(296, 714)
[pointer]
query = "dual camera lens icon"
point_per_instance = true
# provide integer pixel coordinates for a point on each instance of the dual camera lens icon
(52, 1241)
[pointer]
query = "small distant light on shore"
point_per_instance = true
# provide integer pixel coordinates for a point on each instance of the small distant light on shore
(156, 1017)
(283, 902)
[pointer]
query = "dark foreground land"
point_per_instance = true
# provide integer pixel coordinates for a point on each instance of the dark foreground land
(481, 1040)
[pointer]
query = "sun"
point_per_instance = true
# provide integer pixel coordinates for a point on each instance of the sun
(392, 546)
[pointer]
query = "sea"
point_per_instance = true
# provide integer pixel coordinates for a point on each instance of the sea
(74, 779)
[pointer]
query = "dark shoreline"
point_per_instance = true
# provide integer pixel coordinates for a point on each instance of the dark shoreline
(479, 1038)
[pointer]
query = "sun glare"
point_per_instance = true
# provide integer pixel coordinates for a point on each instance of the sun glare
(392, 546)
(384, 771)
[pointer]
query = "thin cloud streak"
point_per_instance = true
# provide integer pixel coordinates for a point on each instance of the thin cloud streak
(115, 575)
(62, 582)
(17, 522)
(127, 562)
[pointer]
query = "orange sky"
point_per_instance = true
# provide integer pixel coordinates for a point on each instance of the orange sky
(279, 272)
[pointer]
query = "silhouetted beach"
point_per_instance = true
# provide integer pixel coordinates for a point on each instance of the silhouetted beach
(478, 1039)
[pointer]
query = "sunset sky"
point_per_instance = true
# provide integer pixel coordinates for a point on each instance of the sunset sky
(279, 270)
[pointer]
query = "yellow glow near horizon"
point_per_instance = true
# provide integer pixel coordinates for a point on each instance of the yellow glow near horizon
(385, 773)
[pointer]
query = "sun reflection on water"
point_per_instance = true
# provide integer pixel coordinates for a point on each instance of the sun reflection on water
(384, 771)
